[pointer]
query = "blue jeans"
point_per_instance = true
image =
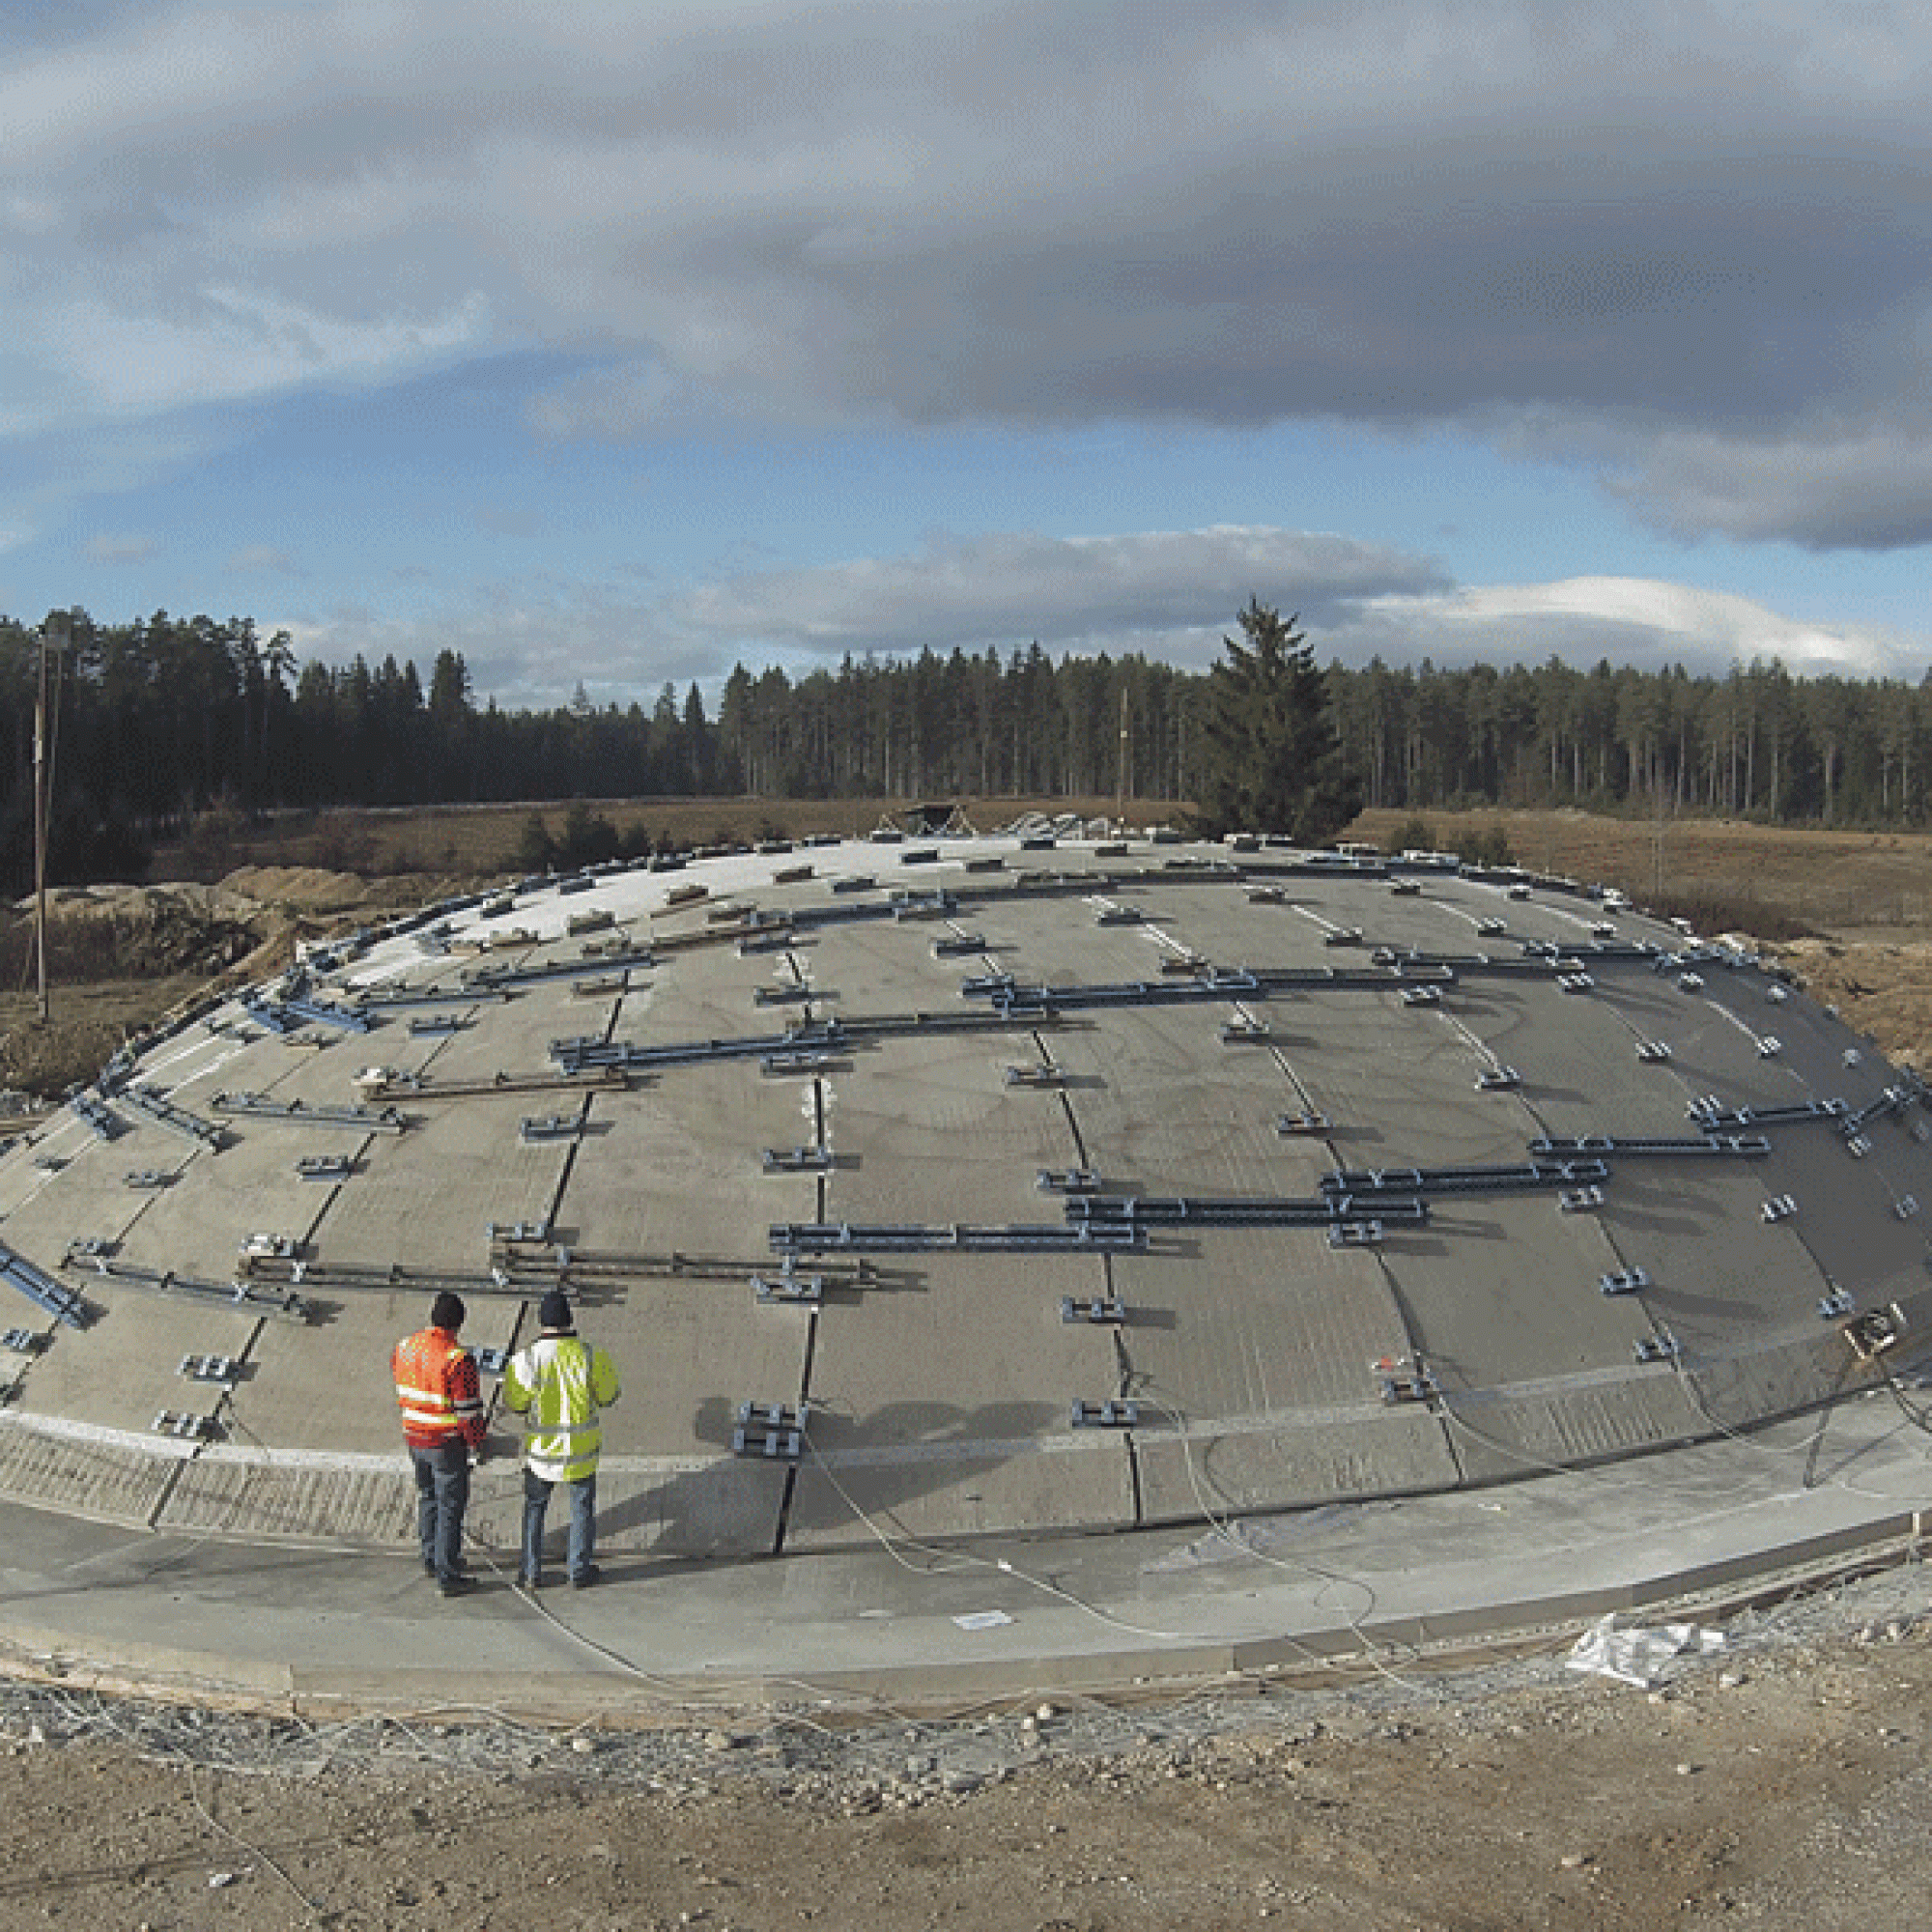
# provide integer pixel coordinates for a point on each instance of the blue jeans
(583, 1521)
(442, 1490)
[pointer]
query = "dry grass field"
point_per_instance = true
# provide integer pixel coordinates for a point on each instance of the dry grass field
(1842, 882)
(482, 840)
(1850, 911)
(1845, 883)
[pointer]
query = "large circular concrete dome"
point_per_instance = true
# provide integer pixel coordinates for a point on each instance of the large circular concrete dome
(962, 1186)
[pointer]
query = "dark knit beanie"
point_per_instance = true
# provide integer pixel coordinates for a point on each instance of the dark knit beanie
(447, 1311)
(553, 1311)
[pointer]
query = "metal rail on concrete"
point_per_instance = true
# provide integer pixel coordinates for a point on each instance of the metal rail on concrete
(42, 1289)
(377, 998)
(1208, 1211)
(163, 1112)
(1894, 1100)
(1749, 1145)
(884, 1237)
(165, 1281)
(101, 1120)
(378, 1081)
(301, 1114)
(501, 978)
(368, 1278)
(533, 1259)
(1714, 1117)
(1359, 1183)
(324, 1014)
(831, 1035)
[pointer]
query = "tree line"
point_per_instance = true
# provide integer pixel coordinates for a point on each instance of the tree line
(162, 719)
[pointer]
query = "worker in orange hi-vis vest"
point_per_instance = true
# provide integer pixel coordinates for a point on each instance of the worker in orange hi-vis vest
(443, 1424)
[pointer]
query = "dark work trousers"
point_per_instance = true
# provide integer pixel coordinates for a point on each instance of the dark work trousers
(443, 1489)
(583, 1523)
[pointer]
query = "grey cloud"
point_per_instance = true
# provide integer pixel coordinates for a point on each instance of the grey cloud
(1647, 221)
(1171, 596)
(528, 645)
(129, 548)
(1118, 592)
(1166, 594)
(1870, 488)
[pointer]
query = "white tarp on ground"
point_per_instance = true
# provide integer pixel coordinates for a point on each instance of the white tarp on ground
(1636, 1656)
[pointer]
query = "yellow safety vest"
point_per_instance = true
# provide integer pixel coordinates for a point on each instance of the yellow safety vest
(560, 1384)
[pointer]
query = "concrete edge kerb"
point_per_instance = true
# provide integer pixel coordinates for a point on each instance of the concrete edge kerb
(127, 1665)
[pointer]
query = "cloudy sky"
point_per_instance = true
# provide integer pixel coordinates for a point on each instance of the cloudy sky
(621, 340)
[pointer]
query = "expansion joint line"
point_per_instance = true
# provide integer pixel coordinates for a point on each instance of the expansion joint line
(554, 1212)
(782, 1525)
(1409, 1344)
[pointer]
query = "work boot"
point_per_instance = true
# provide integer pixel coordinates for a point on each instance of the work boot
(458, 1586)
(586, 1577)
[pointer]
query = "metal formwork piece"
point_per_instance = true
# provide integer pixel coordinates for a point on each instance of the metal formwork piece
(297, 1113)
(152, 1103)
(53, 1296)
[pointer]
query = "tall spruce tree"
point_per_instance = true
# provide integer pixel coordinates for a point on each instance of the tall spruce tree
(1271, 761)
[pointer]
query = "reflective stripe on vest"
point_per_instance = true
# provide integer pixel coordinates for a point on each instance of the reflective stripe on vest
(560, 1383)
(422, 1369)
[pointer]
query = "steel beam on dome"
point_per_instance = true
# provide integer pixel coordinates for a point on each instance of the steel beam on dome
(1749, 1145)
(42, 1289)
(1715, 1117)
(884, 1237)
(1234, 1211)
(163, 1112)
(1370, 1183)
(302, 1114)
(501, 979)
(101, 1120)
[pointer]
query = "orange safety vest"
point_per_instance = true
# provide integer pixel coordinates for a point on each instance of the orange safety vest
(437, 1387)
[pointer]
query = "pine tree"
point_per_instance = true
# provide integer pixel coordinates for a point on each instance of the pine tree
(1271, 761)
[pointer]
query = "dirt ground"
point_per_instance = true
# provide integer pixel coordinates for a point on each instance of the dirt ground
(1784, 1782)
(1781, 1782)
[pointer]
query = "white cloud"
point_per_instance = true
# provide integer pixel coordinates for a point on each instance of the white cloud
(1638, 621)
(228, 343)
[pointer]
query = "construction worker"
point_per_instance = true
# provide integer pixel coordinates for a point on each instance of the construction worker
(560, 1384)
(443, 1424)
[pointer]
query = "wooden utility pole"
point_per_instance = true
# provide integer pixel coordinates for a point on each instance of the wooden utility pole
(43, 784)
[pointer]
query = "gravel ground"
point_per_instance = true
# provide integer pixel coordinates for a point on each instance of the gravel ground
(1780, 1778)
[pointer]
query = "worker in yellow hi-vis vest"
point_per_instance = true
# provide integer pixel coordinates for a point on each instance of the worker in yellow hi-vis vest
(560, 1384)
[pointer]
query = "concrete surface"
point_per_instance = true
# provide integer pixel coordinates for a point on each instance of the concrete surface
(939, 1379)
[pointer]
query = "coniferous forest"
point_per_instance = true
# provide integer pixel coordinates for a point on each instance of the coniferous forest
(164, 718)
